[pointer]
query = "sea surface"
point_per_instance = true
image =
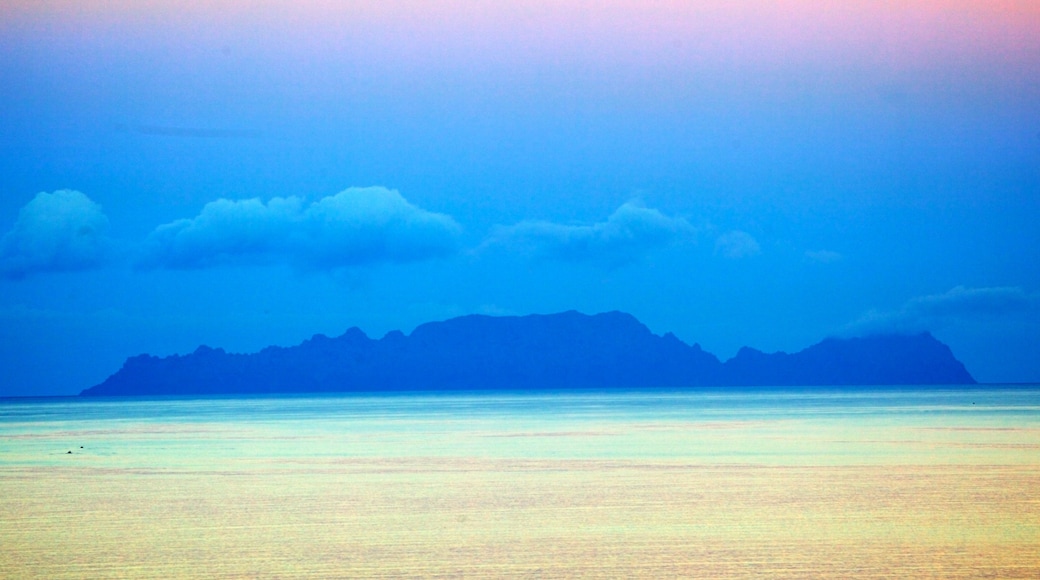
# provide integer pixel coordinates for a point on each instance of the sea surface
(865, 482)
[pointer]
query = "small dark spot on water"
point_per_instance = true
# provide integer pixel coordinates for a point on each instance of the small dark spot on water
(68, 453)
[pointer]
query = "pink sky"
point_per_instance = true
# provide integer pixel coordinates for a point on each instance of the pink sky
(900, 35)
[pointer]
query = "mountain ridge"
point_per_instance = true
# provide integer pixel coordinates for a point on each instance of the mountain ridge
(534, 352)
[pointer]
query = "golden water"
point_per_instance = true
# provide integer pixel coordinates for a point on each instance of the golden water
(352, 487)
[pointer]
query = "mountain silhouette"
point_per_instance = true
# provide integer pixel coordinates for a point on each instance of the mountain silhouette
(569, 350)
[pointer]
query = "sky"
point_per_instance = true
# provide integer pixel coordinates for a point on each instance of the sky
(241, 173)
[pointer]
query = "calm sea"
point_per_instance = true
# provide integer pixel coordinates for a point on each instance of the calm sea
(584, 424)
(864, 482)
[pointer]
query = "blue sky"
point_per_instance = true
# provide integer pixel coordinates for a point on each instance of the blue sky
(767, 174)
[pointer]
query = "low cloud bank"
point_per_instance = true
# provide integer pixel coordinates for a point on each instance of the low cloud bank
(55, 232)
(357, 226)
(630, 233)
(928, 312)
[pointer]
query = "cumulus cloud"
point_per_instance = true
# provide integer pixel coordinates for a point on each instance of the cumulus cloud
(928, 312)
(737, 244)
(628, 234)
(353, 227)
(60, 231)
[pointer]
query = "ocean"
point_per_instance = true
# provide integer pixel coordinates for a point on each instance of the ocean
(851, 482)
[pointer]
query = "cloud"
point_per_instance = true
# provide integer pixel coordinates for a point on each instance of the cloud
(353, 227)
(737, 244)
(629, 233)
(823, 256)
(60, 231)
(928, 312)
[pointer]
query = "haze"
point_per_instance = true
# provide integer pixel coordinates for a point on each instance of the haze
(241, 174)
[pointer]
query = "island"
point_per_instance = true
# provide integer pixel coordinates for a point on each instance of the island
(568, 350)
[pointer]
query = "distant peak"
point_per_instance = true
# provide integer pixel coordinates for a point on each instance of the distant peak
(204, 350)
(748, 351)
(353, 333)
(534, 352)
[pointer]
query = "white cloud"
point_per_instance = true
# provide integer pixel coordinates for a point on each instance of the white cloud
(60, 231)
(629, 233)
(737, 244)
(353, 227)
(929, 312)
